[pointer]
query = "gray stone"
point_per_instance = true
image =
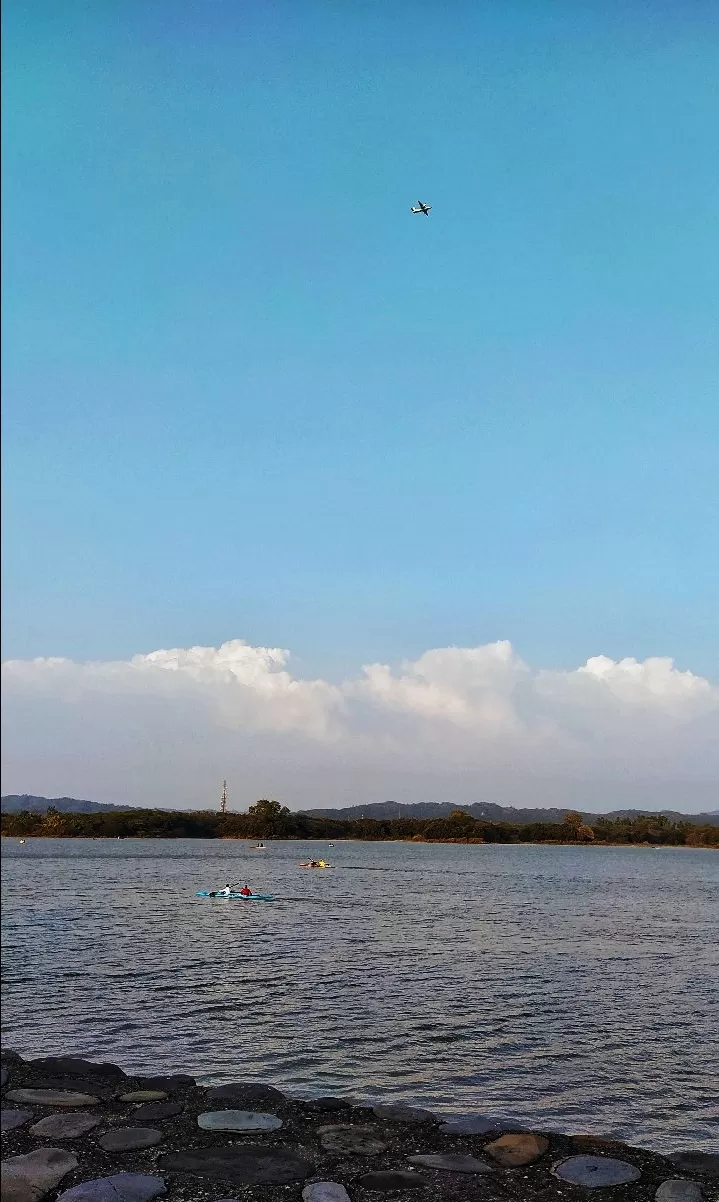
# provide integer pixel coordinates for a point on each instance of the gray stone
(14, 1118)
(245, 1091)
(325, 1191)
(129, 1139)
(351, 1141)
(75, 1066)
(173, 1081)
(70, 1125)
(154, 1112)
(245, 1164)
(328, 1104)
(517, 1149)
(469, 1124)
(121, 1187)
(101, 1089)
(451, 1163)
(10, 1056)
(596, 1172)
(51, 1097)
(238, 1120)
(404, 1114)
(706, 1163)
(28, 1178)
(144, 1095)
(392, 1179)
(679, 1190)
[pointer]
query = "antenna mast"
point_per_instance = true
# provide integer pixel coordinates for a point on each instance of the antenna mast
(223, 799)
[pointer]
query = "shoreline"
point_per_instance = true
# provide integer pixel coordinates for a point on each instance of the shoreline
(193, 1143)
(356, 839)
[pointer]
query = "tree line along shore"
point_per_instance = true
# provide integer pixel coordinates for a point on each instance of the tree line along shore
(269, 820)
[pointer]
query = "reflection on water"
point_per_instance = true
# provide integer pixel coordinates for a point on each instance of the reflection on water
(575, 988)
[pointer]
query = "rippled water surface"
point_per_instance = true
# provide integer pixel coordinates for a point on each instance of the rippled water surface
(575, 988)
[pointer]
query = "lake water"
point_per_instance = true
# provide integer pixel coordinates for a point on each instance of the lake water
(572, 988)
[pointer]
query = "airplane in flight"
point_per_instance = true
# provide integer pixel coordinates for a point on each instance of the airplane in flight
(421, 207)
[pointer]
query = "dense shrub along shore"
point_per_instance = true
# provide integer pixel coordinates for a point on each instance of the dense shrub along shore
(269, 820)
(78, 1131)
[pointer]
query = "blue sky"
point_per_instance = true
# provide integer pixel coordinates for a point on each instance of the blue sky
(247, 395)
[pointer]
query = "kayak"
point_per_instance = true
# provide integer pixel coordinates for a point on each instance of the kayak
(315, 865)
(237, 896)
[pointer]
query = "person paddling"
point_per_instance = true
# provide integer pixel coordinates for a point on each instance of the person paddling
(246, 891)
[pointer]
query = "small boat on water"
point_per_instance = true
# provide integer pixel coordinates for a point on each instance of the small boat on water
(258, 847)
(235, 896)
(316, 864)
(22, 840)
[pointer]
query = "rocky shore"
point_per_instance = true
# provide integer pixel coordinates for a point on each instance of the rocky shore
(77, 1131)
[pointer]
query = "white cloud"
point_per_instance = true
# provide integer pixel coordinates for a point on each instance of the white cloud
(243, 685)
(478, 715)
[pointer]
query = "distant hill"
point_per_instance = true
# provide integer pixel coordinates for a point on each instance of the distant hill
(492, 813)
(15, 803)
(710, 819)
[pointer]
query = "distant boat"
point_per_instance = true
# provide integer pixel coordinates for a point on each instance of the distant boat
(258, 847)
(22, 840)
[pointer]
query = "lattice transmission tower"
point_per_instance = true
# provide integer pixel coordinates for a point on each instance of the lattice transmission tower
(223, 798)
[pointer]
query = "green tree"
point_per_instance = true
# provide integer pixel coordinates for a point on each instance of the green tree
(573, 818)
(270, 819)
(268, 809)
(52, 824)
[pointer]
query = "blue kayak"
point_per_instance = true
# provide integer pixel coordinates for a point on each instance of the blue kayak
(238, 896)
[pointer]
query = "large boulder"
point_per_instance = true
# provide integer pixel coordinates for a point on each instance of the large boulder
(76, 1066)
(10, 1119)
(695, 1161)
(678, 1189)
(516, 1149)
(596, 1172)
(451, 1162)
(173, 1081)
(325, 1191)
(121, 1187)
(129, 1139)
(51, 1097)
(28, 1178)
(155, 1112)
(398, 1113)
(238, 1120)
(70, 1125)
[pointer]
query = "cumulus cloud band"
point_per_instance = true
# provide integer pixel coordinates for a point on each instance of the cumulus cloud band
(470, 707)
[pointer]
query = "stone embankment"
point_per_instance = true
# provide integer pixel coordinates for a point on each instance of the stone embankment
(76, 1131)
